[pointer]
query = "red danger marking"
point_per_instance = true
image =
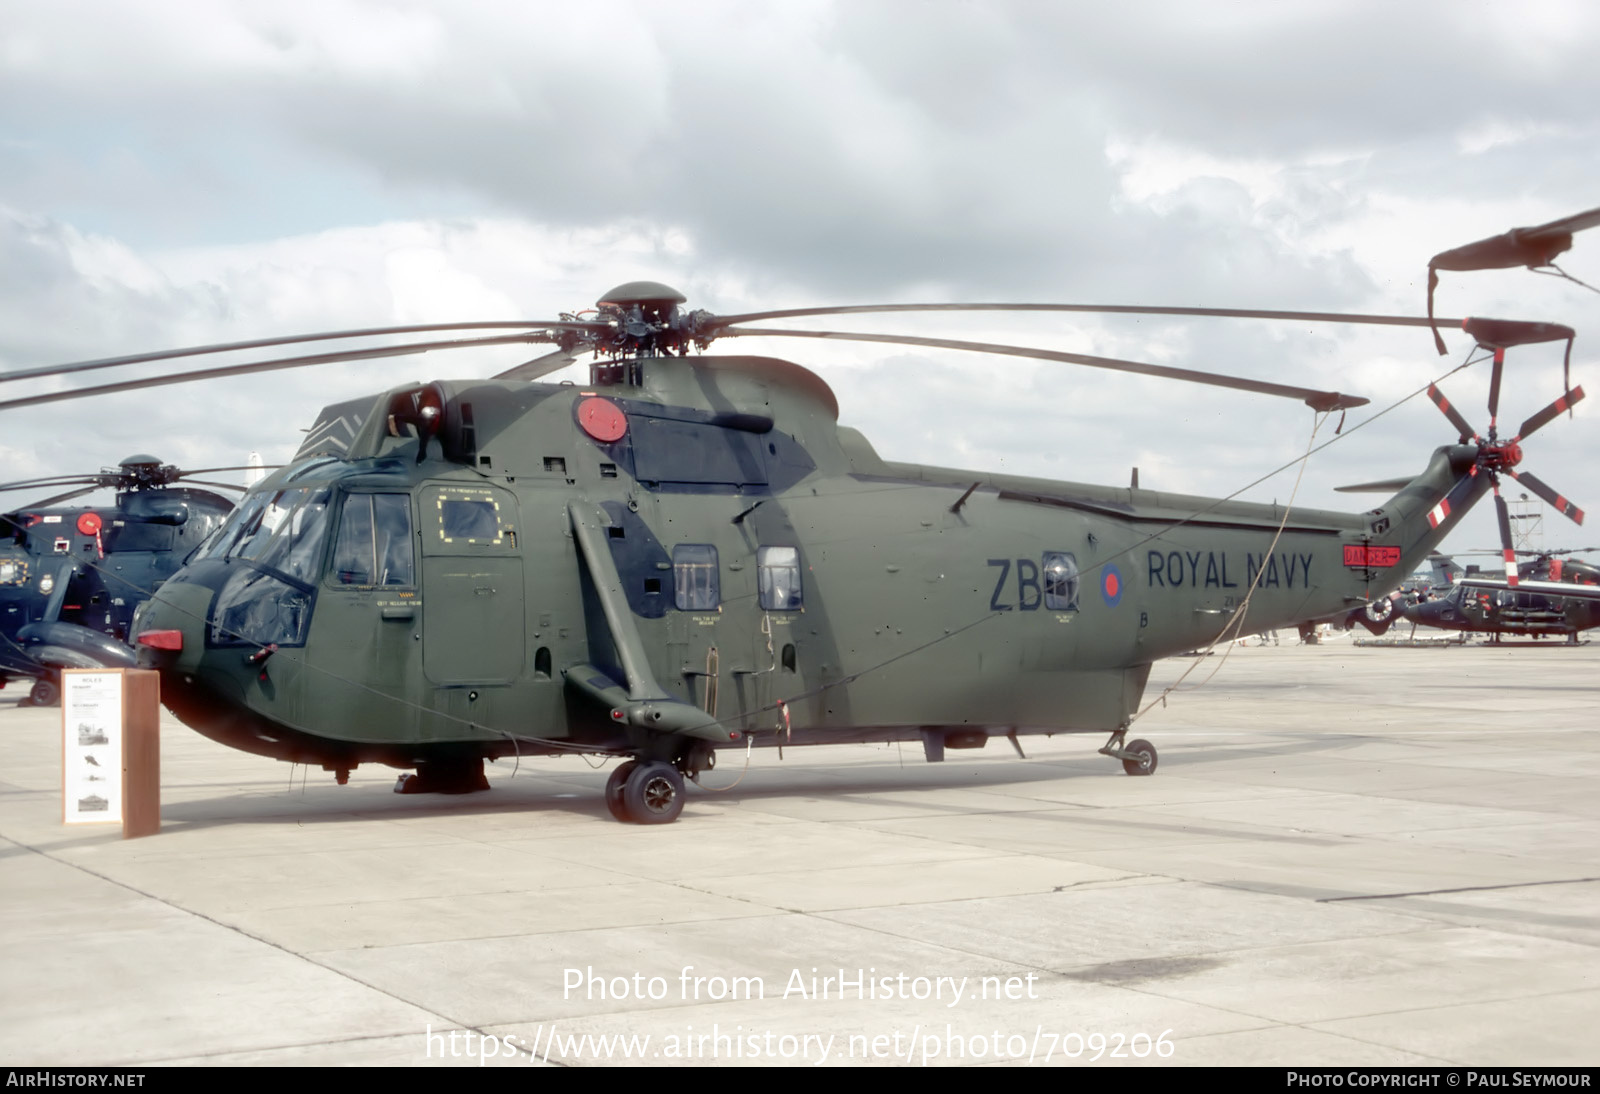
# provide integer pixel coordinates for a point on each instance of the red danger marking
(1358, 554)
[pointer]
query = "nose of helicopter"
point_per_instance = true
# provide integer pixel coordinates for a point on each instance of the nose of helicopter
(169, 629)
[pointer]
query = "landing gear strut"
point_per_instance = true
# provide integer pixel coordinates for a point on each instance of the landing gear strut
(1138, 758)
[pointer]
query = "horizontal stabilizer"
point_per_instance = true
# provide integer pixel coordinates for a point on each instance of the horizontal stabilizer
(1386, 486)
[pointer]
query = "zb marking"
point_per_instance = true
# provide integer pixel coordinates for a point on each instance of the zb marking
(1027, 583)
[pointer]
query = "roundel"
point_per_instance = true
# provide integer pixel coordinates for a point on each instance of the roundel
(602, 419)
(1111, 585)
(89, 524)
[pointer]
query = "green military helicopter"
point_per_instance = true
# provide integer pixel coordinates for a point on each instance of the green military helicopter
(689, 554)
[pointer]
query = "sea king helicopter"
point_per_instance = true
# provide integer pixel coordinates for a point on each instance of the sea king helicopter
(72, 577)
(689, 554)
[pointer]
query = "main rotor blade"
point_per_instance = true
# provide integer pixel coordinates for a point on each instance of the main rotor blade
(1317, 400)
(1536, 246)
(291, 339)
(1538, 486)
(269, 366)
(1096, 309)
(221, 485)
(68, 496)
(54, 480)
(1549, 413)
(1439, 400)
(541, 366)
(184, 475)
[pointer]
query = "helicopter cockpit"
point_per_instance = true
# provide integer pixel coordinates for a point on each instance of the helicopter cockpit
(278, 535)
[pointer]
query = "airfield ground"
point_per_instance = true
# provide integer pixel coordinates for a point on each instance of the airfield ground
(1347, 856)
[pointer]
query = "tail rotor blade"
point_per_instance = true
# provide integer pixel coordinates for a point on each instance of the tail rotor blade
(1439, 400)
(1549, 413)
(1509, 553)
(1494, 388)
(1539, 487)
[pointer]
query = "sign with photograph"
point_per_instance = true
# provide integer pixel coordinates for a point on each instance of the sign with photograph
(91, 747)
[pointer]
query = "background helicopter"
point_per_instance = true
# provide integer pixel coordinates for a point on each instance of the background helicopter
(1434, 579)
(71, 578)
(691, 554)
(1553, 596)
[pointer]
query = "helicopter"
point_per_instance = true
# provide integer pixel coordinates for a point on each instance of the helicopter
(688, 554)
(72, 578)
(1539, 609)
(1553, 596)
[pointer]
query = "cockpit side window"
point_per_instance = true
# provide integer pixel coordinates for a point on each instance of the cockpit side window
(283, 530)
(375, 543)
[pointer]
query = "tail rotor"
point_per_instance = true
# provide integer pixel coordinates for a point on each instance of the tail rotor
(1497, 457)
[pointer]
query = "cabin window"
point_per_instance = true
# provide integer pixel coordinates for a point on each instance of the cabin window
(13, 568)
(1060, 582)
(464, 519)
(695, 584)
(779, 578)
(139, 537)
(374, 546)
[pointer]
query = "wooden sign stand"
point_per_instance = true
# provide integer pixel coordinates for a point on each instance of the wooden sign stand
(111, 749)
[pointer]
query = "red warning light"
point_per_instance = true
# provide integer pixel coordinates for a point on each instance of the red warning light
(89, 524)
(602, 419)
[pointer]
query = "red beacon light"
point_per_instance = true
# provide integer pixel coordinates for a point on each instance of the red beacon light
(162, 640)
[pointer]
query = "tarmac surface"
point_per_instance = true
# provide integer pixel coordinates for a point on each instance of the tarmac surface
(1347, 856)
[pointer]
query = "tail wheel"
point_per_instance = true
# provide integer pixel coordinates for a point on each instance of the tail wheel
(1141, 759)
(1377, 615)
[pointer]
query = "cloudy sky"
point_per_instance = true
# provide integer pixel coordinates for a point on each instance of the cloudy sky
(190, 171)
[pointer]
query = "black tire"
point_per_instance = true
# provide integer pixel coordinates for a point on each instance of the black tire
(1379, 615)
(614, 785)
(1145, 762)
(653, 793)
(45, 693)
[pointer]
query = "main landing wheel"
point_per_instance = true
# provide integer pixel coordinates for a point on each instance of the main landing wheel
(652, 793)
(614, 790)
(1142, 760)
(44, 694)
